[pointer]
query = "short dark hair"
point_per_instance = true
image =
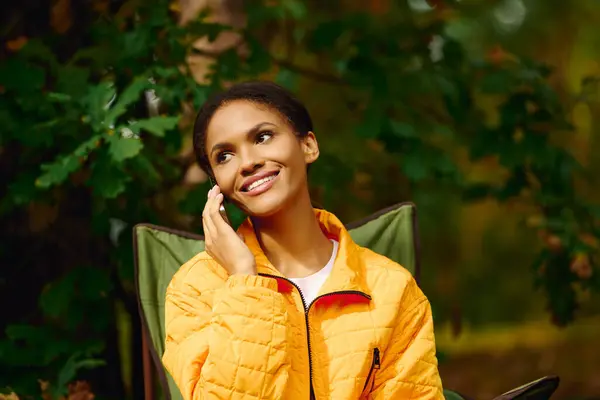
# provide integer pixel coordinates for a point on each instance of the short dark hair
(264, 93)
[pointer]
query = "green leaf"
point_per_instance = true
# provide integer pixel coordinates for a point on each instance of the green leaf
(193, 202)
(72, 80)
(201, 28)
(58, 171)
(498, 82)
(295, 8)
(130, 95)
(70, 308)
(96, 102)
(135, 43)
(450, 395)
(414, 166)
(594, 210)
(21, 77)
(36, 49)
(257, 62)
(372, 123)
(107, 180)
(99, 56)
(142, 166)
(123, 148)
(96, 283)
(200, 95)
(58, 97)
(449, 89)
(70, 369)
(287, 79)
(56, 296)
(111, 188)
(326, 34)
(22, 190)
(28, 333)
(155, 125)
(403, 130)
(31, 346)
(163, 72)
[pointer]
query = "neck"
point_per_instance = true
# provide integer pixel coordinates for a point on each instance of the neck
(293, 240)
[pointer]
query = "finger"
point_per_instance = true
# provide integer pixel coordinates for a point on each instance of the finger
(216, 200)
(207, 204)
(207, 237)
(210, 200)
(206, 227)
(220, 224)
(208, 223)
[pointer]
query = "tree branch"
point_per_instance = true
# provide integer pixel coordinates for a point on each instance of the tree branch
(316, 75)
(310, 73)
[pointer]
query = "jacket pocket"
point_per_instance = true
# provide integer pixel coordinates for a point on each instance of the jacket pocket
(370, 382)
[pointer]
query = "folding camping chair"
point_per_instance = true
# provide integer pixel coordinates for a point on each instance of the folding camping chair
(159, 252)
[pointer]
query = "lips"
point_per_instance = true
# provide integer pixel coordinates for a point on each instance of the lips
(255, 182)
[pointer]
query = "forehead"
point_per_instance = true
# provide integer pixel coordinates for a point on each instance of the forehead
(237, 117)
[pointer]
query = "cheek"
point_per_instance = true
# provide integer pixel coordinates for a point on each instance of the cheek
(225, 176)
(290, 153)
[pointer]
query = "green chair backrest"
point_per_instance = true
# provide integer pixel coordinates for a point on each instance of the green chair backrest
(159, 252)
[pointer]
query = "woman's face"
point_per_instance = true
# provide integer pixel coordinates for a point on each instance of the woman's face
(257, 159)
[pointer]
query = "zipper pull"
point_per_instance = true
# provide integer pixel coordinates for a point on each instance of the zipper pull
(376, 359)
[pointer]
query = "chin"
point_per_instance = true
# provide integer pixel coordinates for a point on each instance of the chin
(267, 204)
(279, 197)
(263, 208)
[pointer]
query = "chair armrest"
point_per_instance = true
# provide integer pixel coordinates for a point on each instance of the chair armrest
(540, 389)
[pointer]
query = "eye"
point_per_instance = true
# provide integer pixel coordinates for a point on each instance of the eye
(222, 157)
(264, 137)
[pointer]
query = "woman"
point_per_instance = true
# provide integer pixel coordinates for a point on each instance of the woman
(289, 307)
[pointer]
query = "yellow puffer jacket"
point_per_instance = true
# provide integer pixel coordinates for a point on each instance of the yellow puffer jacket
(368, 335)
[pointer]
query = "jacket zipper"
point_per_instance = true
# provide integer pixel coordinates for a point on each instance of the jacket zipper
(310, 372)
(375, 364)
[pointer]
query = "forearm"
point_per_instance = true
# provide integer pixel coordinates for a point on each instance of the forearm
(241, 349)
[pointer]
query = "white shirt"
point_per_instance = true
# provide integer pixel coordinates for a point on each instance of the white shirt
(310, 285)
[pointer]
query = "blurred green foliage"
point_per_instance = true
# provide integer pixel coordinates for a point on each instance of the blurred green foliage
(95, 139)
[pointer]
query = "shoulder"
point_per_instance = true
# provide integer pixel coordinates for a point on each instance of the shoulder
(199, 274)
(388, 279)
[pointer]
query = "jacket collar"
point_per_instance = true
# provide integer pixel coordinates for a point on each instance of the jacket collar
(348, 267)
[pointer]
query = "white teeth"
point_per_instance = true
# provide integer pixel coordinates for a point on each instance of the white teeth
(260, 182)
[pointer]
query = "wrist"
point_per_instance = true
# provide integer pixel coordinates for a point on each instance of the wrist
(246, 268)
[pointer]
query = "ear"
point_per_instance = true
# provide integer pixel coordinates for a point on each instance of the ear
(310, 147)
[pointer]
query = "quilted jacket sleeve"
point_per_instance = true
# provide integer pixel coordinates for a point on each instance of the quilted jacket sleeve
(409, 365)
(230, 345)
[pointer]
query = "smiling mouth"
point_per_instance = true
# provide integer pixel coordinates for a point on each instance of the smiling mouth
(259, 185)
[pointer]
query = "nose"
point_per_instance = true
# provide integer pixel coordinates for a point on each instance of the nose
(250, 163)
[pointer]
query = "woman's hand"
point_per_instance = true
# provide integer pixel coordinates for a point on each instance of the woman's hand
(222, 242)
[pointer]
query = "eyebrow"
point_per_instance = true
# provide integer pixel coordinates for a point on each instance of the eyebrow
(251, 132)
